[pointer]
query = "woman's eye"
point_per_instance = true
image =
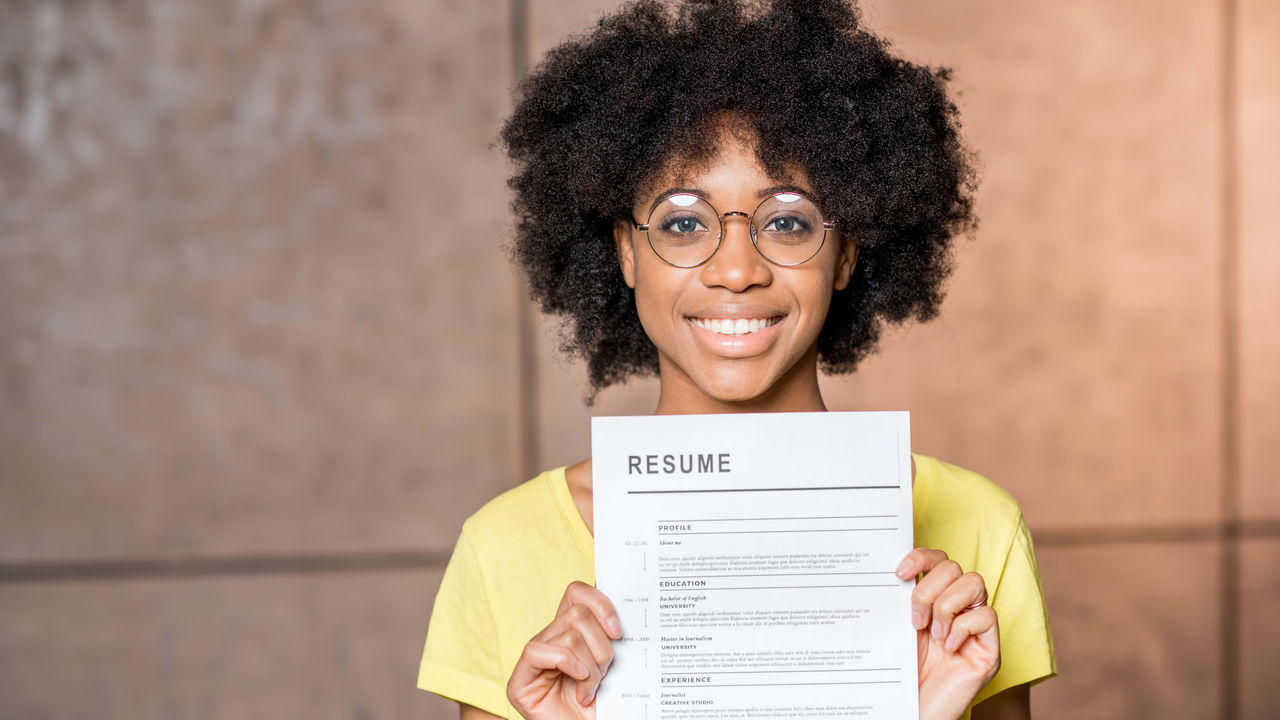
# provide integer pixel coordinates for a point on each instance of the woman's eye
(784, 224)
(684, 225)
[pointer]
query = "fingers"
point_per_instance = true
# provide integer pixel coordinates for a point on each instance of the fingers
(580, 593)
(982, 625)
(578, 629)
(964, 592)
(942, 593)
(939, 574)
(587, 611)
(918, 561)
(585, 623)
(576, 644)
(535, 675)
(954, 671)
(539, 656)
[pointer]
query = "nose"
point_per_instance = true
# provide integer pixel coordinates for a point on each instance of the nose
(736, 264)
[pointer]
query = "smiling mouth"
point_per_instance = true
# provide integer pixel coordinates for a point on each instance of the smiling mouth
(735, 326)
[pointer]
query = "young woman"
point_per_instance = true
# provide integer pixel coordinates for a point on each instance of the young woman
(730, 196)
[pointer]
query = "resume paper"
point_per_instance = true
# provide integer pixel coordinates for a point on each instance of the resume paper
(751, 560)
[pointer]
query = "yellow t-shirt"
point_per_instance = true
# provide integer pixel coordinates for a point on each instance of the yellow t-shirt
(518, 553)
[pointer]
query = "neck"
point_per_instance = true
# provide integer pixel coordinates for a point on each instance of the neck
(797, 391)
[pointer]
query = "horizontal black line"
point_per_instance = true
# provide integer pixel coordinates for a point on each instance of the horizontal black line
(755, 672)
(773, 587)
(185, 567)
(776, 489)
(769, 532)
(782, 684)
(1190, 532)
(684, 577)
(826, 517)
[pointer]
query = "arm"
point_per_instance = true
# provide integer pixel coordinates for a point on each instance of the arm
(470, 712)
(1011, 704)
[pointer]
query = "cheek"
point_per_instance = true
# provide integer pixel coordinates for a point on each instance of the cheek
(819, 306)
(655, 297)
(824, 284)
(814, 299)
(644, 309)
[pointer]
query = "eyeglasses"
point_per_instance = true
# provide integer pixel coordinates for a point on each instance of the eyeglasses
(684, 230)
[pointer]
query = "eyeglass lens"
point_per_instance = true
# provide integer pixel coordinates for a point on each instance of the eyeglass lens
(685, 230)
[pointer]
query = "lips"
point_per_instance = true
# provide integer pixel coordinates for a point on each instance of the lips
(736, 325)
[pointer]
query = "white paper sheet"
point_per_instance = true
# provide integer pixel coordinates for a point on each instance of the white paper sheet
(751, 559)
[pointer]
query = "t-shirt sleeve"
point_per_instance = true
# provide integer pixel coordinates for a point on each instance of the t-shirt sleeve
(1026, 643)
(461, 658)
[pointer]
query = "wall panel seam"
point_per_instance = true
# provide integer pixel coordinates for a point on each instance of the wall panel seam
(144, 568)
(527, 361)
(1230, 337)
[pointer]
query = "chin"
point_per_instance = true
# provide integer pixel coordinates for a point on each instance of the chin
(727, 382)
(734, 390)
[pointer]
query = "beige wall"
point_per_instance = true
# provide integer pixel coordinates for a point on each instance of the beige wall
(261, 351)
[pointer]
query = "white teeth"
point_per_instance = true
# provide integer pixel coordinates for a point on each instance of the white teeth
(734, 326)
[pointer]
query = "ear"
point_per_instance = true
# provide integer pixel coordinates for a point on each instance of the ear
(622, 236)
(846, 262)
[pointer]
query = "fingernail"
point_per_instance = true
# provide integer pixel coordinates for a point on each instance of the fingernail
(583, 672)
(591, 696)
(917, 619)
(615, 627)
(953, 642)
(901, 572)
(936, 630)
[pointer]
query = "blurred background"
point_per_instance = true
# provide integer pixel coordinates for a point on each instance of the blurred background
(261, 350)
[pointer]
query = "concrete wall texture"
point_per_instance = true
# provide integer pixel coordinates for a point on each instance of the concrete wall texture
(261, 350)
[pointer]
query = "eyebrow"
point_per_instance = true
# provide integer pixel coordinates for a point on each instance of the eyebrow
(764, 193)
(677, 191)
(781, 189)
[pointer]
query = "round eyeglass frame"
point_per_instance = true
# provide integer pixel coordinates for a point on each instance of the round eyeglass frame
(827, 225)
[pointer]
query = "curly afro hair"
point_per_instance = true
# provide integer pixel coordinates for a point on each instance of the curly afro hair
(608, 110)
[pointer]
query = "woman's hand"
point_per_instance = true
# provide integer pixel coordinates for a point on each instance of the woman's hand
(560, 670)
(958, 638)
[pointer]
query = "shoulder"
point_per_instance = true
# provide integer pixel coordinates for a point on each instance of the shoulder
(965, 514)
(525, 546)
(943, 488)
(533, 524)
(521, 508)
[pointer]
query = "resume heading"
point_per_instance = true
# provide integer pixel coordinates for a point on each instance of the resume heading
(680, 463)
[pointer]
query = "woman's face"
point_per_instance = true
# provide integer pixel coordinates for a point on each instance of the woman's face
(773, 367)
